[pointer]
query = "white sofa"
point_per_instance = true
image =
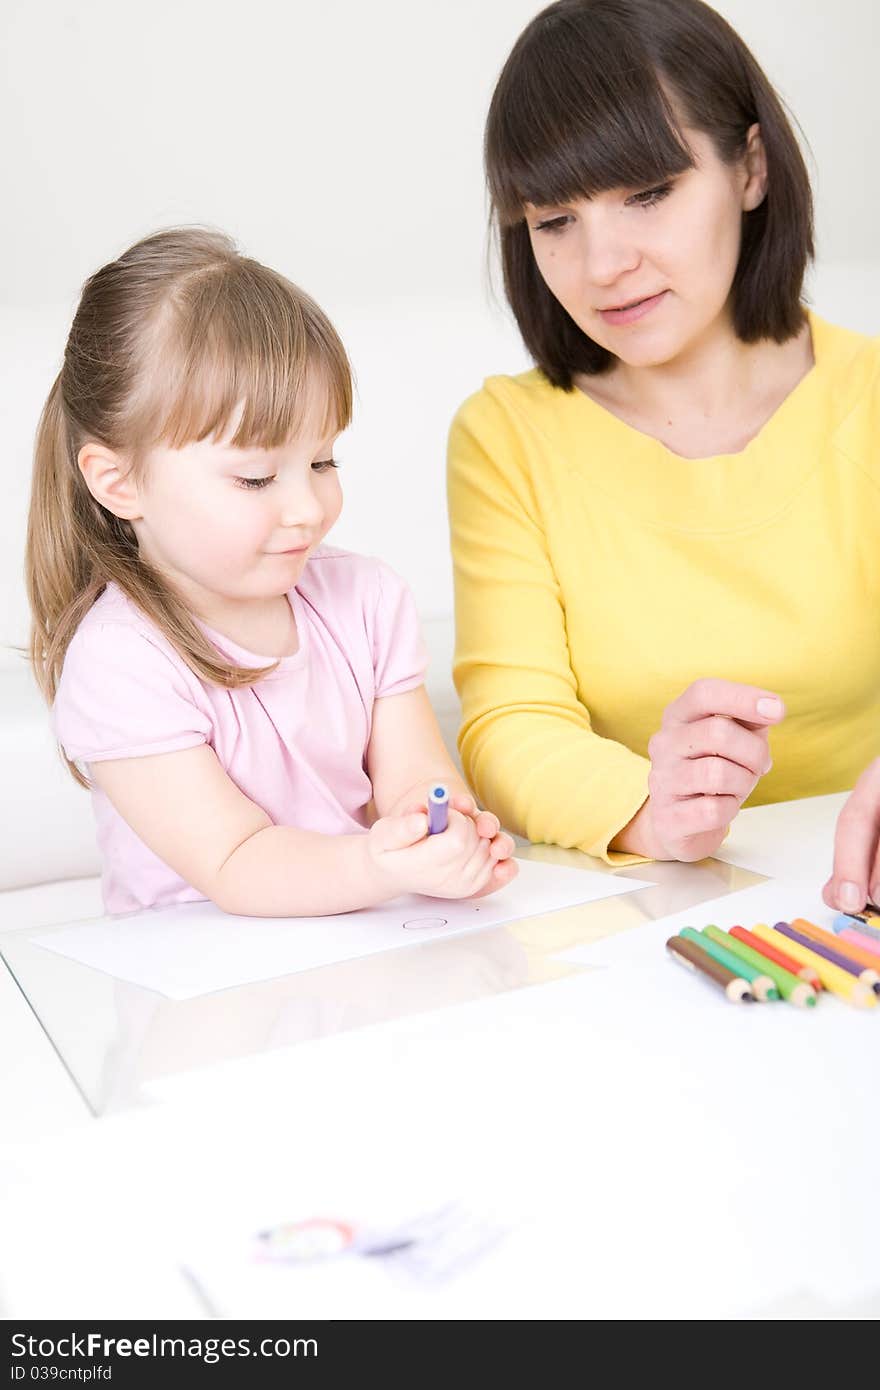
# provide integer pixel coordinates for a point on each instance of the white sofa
(414, 363)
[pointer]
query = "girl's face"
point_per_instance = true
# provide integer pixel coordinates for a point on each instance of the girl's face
(237, 523)
(646, 273)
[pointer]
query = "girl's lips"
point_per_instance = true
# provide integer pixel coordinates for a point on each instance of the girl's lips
(633, 311)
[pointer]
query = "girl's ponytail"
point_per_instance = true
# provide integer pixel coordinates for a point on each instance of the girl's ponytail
(59, 570)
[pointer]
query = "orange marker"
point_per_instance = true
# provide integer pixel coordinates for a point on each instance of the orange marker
(803, 972)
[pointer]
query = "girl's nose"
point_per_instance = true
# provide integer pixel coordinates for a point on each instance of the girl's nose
(301, 506)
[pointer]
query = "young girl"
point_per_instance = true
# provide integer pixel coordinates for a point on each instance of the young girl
(244, 700)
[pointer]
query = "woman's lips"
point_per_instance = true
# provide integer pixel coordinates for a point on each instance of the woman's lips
(632, 312)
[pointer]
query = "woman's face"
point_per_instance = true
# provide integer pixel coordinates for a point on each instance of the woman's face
(646, 273)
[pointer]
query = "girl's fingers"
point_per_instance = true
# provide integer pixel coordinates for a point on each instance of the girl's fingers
(503, 873)
(502, 846)
(398, 832)
(460, 801)
(488, 825)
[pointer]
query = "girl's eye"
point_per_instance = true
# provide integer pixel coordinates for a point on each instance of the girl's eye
(650, 196)
(254, 484)
(321, 465)
(553, 224)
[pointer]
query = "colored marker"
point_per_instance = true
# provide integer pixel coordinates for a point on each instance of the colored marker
(438, 809)
(687, 953)
(793, 990)
(865, 943)
(761, 985)
(764, 948)
(864, 964)
(858, 920)
(833, 978)
(836, 958)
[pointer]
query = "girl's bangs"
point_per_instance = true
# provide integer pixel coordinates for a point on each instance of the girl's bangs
(243, 348)
(577, 125)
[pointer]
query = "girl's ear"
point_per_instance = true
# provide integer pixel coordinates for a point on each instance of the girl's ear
(110, 481)
(755, 190)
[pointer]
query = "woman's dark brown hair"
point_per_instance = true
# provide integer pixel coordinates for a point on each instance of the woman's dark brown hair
(593, 97)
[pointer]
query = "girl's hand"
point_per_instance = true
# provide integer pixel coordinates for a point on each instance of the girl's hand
(458, 863)
(488, 825)
(709, 754)
(855, 876)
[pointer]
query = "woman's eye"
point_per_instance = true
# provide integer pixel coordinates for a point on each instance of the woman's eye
(321, 465)
(552, 224)
(650, 196)
(254, 484)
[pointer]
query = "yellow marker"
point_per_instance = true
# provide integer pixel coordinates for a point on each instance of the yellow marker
(833, 978)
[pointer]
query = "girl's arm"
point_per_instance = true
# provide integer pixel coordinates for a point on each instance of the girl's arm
(186, 809)
(406, 754)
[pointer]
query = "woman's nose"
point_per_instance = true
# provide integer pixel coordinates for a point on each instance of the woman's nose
(608, 252)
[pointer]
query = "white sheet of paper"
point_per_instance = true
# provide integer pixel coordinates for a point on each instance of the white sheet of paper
(792, 839)
(195, 948)
(778, 900)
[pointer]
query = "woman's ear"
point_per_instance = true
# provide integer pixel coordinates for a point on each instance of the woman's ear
(755, 164)
(110, 480)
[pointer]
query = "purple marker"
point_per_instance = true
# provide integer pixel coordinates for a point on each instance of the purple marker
(868, 977)
(438, 809)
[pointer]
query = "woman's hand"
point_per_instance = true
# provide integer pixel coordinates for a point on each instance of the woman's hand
(469, 859)
(709, 754)
(855, 876)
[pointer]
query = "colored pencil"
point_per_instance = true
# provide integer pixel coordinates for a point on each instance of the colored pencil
(858, 920)
(838, 981)
(766, 948)
(864, 961)
(792, 989)
(760, 983)
(865, 943)
(687, 953)
(829, 953)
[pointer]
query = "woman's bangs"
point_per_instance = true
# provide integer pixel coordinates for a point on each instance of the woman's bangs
(563, 132)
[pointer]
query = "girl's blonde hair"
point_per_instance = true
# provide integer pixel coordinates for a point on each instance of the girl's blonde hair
(168, 342)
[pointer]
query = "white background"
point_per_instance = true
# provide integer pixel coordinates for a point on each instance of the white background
(341, 143)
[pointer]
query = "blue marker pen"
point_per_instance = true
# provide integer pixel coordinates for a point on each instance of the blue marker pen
(438, 809)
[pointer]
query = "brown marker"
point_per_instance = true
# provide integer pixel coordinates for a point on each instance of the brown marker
(695, 958)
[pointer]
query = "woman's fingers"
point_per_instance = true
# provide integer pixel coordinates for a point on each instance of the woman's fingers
(855, 876)
(711, 776)
(749, 704)
(714, 736)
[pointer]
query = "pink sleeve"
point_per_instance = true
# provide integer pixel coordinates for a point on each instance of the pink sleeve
(122, 696)
(400, 657)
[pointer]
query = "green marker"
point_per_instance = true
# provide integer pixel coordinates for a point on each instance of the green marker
(795, 991)
(762, 986)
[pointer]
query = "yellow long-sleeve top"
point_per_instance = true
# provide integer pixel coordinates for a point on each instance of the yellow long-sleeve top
(597, 574)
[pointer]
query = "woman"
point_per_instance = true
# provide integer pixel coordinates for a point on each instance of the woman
(662, 534)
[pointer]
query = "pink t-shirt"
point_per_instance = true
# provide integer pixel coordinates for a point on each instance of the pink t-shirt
(295, 742)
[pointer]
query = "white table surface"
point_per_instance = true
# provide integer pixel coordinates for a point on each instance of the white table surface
(634, 1166)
